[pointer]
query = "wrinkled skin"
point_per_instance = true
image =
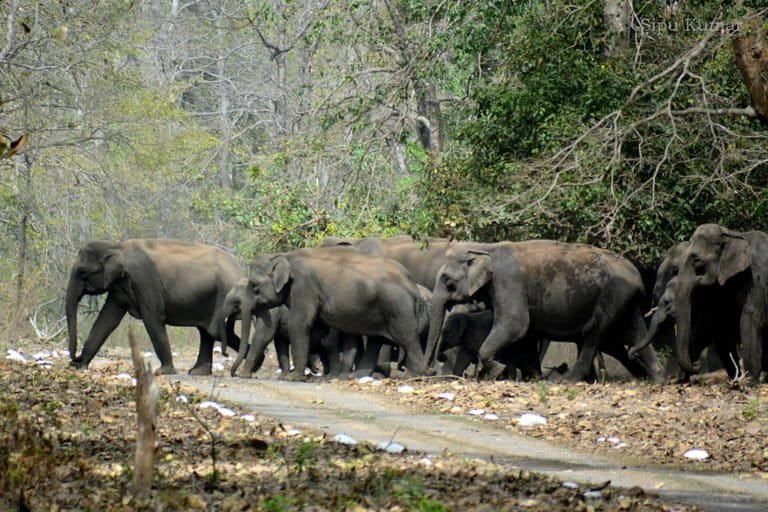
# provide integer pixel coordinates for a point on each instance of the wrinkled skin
(567, 292)
(162, 282)
(342, 289)
(730, 268)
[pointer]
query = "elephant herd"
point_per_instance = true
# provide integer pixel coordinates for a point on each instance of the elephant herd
(356, 305)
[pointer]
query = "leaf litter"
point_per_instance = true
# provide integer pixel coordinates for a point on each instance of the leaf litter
(67, 441)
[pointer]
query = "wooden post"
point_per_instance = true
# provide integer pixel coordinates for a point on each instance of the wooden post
(146, 412)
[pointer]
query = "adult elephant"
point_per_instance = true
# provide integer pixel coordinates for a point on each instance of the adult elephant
(346, 290)
(162, 282)
(421, 259)
(271, 325)
(730, 268)
(556, 290)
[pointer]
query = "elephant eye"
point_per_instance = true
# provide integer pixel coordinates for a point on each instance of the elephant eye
(675, 271)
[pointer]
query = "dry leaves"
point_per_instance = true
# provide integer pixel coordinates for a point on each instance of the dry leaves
(66, 443)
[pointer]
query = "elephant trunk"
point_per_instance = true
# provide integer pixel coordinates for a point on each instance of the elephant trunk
(246, 314)
(436, 319)
(683, 336)
(657, 320)
(75, 292)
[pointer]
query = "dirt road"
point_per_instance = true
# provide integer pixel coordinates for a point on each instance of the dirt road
(366, 417)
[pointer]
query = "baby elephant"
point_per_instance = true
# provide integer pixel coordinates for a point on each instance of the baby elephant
(468, 330)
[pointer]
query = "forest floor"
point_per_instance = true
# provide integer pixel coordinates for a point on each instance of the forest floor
(67, 441)
(642, 423)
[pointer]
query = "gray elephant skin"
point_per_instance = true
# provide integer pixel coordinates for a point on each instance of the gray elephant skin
(161, 282)
(552, 290)
(730, 268)
(345, 290)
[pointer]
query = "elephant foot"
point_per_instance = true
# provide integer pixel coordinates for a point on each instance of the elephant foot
(492, 370)
(294, 376)
(166, 369)
(245, 375)
(78, 364)
(201, 370)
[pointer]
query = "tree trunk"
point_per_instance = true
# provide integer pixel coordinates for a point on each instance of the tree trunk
(749, 47)
(430, 118)
(24, 184)
(146, 414)
(617, 15)
(224, 174)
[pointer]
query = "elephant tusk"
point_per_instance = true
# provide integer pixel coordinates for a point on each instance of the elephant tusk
(651, 312)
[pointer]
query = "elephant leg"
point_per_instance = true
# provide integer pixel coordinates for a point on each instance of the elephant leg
(351, 347)
(405, 335)
(159, 337)
(463, 359)
(751, 344)
(109, 318)
(506, 330)
(283, 351)
(329, 345)
(204, 363)
(299, 330)
(370, 357)
(232, 339)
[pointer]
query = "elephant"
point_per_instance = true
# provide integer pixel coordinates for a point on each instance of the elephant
(558, 291)
(727, 268)
(421, 260)
(346, 290)
(271, 325)
(467, 330)
(162, 282)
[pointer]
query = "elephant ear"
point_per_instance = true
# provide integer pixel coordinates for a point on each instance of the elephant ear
(735, 257)
(280, 273)
(114, 267)
(479, 270)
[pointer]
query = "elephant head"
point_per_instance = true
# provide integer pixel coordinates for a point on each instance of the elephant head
(99, 265)
(714, 256)
(668, 269)
(465, 271)
(663, 314)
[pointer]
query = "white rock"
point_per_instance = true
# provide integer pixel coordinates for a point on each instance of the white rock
(614, 440)
(601, 439)
(405, 388)
(391, 447)
(426, 462)
(183, 399)
(218, 367)
(208, 404)
(377, 383)
(293, 432)
(456, 409)
(45, 363)
(148, 354)
(226, 411)
(476, 412)
(217, 349)
(55, 354)
(490, 416)
(248, 417)
(594, 495)
(175, 354)
(41, 355)
(14, 355)
(531, 420)
(621, 445)
(570, 485)
(123, 376)
(365, 380)
(344, 439)
(447, 395)
(696, 454)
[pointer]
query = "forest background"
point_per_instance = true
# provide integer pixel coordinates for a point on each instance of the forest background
(262, 125)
